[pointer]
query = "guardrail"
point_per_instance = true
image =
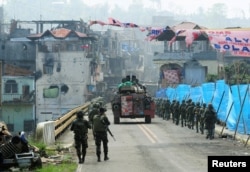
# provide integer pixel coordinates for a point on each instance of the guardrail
(44, 133)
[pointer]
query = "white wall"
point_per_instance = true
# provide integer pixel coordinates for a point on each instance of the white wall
(74, 73)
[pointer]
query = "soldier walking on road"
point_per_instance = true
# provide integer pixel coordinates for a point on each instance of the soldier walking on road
(210, 120)
(167, 111)
(190, 111)
(80, 128)
(197, 116)
(202, 110)
(172, 110)
(94, 111)
(177, 112)
(183, 113)
(100, 124)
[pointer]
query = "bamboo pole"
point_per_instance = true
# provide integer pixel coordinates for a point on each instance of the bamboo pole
(241, 108)
(226, 118)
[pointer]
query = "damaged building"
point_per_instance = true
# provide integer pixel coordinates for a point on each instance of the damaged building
(47, 72)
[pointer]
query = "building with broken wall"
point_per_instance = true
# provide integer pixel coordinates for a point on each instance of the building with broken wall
(59, 65)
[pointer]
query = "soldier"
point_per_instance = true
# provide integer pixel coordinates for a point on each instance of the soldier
(210, 120)
(190, 111)
(188, 103)
(100, 124)
(202, 110)
(80, 128)
(197, 116)
(183, 113)
(93, 112)
(172, 110)
(167, 110)
(177, 112)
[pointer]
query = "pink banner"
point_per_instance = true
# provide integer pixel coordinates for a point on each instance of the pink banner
(235, 41)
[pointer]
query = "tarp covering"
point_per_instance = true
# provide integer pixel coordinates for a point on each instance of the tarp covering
(232, 103)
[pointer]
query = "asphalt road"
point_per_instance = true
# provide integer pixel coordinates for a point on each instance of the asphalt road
(160, 146)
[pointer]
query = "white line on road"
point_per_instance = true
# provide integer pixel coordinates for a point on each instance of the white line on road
(150, 135)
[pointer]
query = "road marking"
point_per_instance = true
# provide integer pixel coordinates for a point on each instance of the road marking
(79, 168)
(150, 135)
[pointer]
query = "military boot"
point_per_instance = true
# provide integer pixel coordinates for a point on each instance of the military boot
(106, 157)
(98, 158)
(80, 159)
(83, 156)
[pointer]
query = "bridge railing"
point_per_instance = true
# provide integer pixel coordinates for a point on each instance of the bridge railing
(47, 132)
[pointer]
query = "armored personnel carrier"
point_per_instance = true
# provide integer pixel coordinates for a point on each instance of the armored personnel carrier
(132, 101)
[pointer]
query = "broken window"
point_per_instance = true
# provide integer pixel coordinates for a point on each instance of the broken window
(48, 66)
(48, 69)
(10, 86)
(51, 92)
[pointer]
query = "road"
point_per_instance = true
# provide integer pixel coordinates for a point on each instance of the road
(160, 146)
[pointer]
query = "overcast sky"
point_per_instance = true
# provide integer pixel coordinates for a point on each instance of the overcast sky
(235, 7)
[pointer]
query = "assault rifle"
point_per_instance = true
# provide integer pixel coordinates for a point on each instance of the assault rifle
(108, 130)
(111, 134)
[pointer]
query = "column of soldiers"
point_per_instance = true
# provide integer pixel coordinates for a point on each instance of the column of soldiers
(195, 116)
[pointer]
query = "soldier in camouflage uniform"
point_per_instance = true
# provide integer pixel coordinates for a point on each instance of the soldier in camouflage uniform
(100, 124)
(210, 120)
(188, 103)
(183, 113)
(202, 110)
(190, 112)
(163, 108)
(177, 112)
(172, 110)
(94, 111)
(167, 110)
(197, 116)
(80, 128)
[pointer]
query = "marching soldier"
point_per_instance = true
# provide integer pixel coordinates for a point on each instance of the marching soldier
(197, 116)
(210, 120)
(202, 110)
(80, 128)
(183, 113)
(100, 124)
(190, 111)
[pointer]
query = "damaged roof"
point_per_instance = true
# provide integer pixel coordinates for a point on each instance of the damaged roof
(61, 33)
(170, 31)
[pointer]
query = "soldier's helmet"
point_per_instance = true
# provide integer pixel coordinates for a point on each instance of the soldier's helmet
(204, 104)
(198, 103)
(210, 105)
(102, 110)
(80, 114)
(96, 105)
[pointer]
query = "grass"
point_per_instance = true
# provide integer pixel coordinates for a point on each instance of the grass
(64, 167)
(67, 164)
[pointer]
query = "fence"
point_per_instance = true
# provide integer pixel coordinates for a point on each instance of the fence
(49, 131)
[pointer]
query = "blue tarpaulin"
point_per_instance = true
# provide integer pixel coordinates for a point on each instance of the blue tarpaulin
(231, 103)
